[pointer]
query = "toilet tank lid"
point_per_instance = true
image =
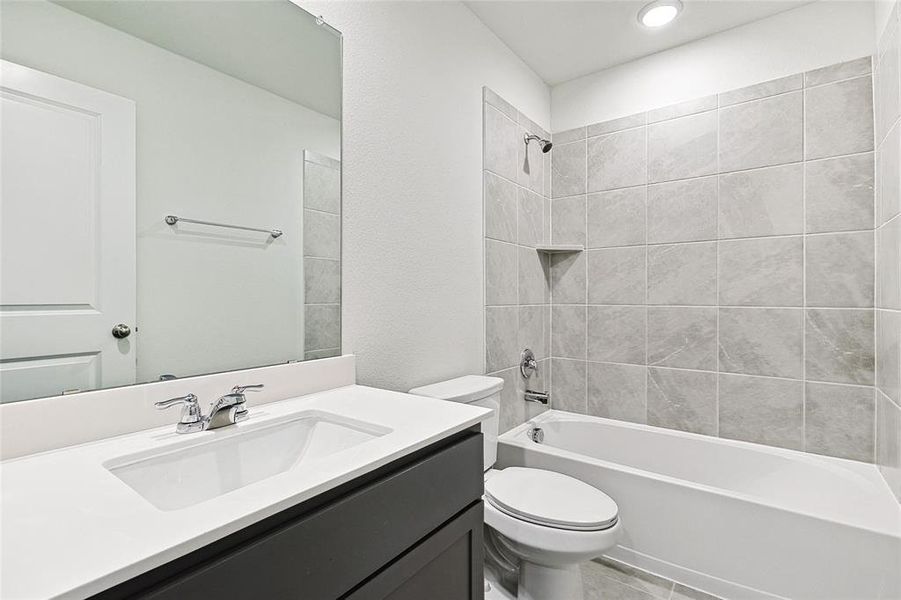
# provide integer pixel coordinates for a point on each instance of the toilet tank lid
(469, 388)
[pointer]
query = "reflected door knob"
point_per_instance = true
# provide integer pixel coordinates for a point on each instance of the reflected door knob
(121, 331)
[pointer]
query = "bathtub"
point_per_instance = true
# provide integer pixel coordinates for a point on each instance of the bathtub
(734, 519)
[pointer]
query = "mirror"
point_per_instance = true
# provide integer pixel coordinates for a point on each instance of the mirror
(171, 198)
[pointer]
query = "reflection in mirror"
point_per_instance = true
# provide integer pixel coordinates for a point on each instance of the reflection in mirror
(224, 117)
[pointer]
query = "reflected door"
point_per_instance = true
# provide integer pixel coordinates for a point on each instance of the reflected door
(67, 221)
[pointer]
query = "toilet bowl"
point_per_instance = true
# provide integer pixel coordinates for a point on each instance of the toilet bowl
(540, 524)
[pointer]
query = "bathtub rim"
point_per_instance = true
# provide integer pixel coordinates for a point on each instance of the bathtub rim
(864, 471)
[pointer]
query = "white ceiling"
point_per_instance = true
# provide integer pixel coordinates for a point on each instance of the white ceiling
(562, 40)
(274, 45)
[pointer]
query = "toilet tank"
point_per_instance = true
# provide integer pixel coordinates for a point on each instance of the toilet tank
(478, 390)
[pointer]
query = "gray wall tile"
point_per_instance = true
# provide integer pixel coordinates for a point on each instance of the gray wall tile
(837, 72)
(761, 202)
(501, 209)
(762, 410)
(568, 278)
(762, 90)
(568, 385)
(886, 84)
(888, 264)
(888, 353)
(839, 345)
(501, 144)
(493, 99)
(617, 160)
(322, 326)
(761, 341)
(684, 400)
(570, 135)
(888, 443)
(682, 211)
(617, 334)
(888, 157)
(568, 325)
(617, 392)
(683, 109)
(617, 218)
(627, 122)
(510, 412)
(501, 337)
(501, 273)
(317, 354)
(761, 272)
(321, 188)
(534, 330)
(534, 277)
(514, 410)
(321, 234)
(726, 169)
(568, 220)
(617, 275)
(568, 169)
(321, 281)
(839, 421)
(682, 148)
(682, 337)
(530, 218)
(682, 274)
(839, 193)
(840, 269)
(838, 118)
(761, 133)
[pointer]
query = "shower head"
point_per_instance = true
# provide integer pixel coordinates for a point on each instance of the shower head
(544, 144)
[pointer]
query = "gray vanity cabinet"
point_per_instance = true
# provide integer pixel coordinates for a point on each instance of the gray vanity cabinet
(411, 530)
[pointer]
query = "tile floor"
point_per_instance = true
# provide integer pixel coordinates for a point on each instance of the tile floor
(605, 579)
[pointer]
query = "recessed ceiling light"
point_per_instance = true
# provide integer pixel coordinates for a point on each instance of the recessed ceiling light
(659, 13)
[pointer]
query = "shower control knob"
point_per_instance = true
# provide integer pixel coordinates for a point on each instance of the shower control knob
(121, 331)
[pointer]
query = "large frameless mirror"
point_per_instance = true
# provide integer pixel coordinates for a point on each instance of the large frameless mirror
(171, 196)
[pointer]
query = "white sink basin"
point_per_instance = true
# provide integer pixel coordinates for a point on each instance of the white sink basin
(226, 459)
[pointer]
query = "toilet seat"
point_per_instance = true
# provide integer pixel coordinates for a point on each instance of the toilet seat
(550, 499)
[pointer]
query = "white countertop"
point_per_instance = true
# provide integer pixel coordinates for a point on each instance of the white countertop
(70, 528)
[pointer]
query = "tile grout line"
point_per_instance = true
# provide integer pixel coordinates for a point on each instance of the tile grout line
(647, 266)
(800, 162)
(804, 268)
(719, 179)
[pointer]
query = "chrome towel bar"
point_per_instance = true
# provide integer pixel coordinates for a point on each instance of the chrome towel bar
(172, 220)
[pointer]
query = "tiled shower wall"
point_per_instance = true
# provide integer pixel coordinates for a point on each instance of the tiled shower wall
(516, 220)
(321, 255)
(727, 283)
(888, 252)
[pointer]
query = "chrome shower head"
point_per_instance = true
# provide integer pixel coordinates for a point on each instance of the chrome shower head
(544, 144)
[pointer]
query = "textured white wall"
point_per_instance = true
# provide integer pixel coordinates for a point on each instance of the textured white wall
(413, 77)
(811, 36)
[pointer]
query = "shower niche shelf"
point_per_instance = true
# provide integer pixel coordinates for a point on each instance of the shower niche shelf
(560, 248)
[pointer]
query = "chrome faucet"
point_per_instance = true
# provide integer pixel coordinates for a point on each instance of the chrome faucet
(227, 410)
(539, 397)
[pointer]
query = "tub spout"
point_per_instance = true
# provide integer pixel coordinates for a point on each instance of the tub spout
(539, 397)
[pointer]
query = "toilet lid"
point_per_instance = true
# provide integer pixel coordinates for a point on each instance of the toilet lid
(551, 499)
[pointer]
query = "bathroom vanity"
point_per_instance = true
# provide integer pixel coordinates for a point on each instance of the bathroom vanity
(409, 530)
(351, 492)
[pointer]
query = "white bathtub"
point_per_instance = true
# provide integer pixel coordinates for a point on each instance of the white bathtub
(734, 519)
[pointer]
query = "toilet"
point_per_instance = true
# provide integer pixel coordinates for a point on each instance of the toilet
(540, 524)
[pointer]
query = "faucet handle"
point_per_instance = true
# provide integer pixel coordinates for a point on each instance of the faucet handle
(239, 389)
(187, 400)
(191, 417)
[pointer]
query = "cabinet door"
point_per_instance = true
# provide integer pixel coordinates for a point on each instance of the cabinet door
(445, 566)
